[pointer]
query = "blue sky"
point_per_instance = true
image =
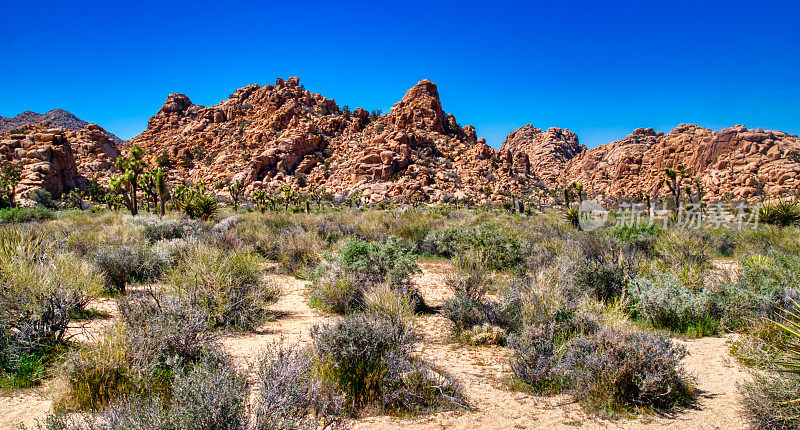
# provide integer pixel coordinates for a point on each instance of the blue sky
(599, 68)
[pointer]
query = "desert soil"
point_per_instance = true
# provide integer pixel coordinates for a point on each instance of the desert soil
(483, 372)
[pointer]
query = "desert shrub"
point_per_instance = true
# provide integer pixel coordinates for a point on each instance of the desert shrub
(40, 291)
(97, 374)
(156, 228)
(784, 212)
(163, 332)
(602, 281)
(158, 340)
(123, 264)
(636, 234)
(501, 249)
(666, 302)
(378, 262)
(370, 361)
(770, 398)
(765, 284)
(335, 290)
(339, 284)
(42, 198)
(22, 214)
(621, 368)
(204, 396)
(465, 312)
(209, 396)
(684, 248)
(298, 250)
(229, 286)
(469, 277)
(290, 396)
(608, 371)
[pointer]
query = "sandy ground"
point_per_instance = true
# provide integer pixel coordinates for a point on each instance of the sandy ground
(481, 370)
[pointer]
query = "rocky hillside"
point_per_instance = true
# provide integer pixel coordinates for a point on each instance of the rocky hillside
(275, 135)
(57, 159)
(734, 162)
(58, 118)
(269, 136)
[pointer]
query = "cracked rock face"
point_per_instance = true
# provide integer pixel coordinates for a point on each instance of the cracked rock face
(56, 159)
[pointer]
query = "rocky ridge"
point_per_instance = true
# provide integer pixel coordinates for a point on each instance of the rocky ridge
(275, 135)
(735, 163)
(57, 118)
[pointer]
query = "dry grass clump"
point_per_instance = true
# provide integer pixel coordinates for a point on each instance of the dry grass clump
(228, 285)
(41, 289)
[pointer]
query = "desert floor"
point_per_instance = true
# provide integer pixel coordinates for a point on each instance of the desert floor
(483, 371)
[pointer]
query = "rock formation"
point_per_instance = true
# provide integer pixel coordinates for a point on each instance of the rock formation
(732, 163)
(273, 135)
(58, 118)
(529, 150)
(55, 159)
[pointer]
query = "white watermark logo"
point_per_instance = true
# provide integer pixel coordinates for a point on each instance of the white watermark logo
(719, 215)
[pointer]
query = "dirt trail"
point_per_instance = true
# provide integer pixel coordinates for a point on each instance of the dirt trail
(293, 322)
(481, 370)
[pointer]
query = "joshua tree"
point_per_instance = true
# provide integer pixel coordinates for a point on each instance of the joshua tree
(567, 196)
(126, 184)
(578, 188)
(236, 189)
(315, 194)
(289, 196)
(673, 181)
(261, 199)
(10, 175)
(354, 198)
(160, 176)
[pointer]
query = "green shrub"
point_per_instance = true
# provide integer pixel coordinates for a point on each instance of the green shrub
(782, 213)
(500, 249)
(21, 214)
(765, 285)
(229, 286)
(666, 302)
(339, 285)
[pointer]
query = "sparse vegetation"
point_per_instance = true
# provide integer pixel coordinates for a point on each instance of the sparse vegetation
(589, 314)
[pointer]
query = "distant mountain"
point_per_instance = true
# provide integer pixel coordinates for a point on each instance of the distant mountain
(56, 118)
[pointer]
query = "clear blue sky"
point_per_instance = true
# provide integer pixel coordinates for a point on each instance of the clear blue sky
(599, 68)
